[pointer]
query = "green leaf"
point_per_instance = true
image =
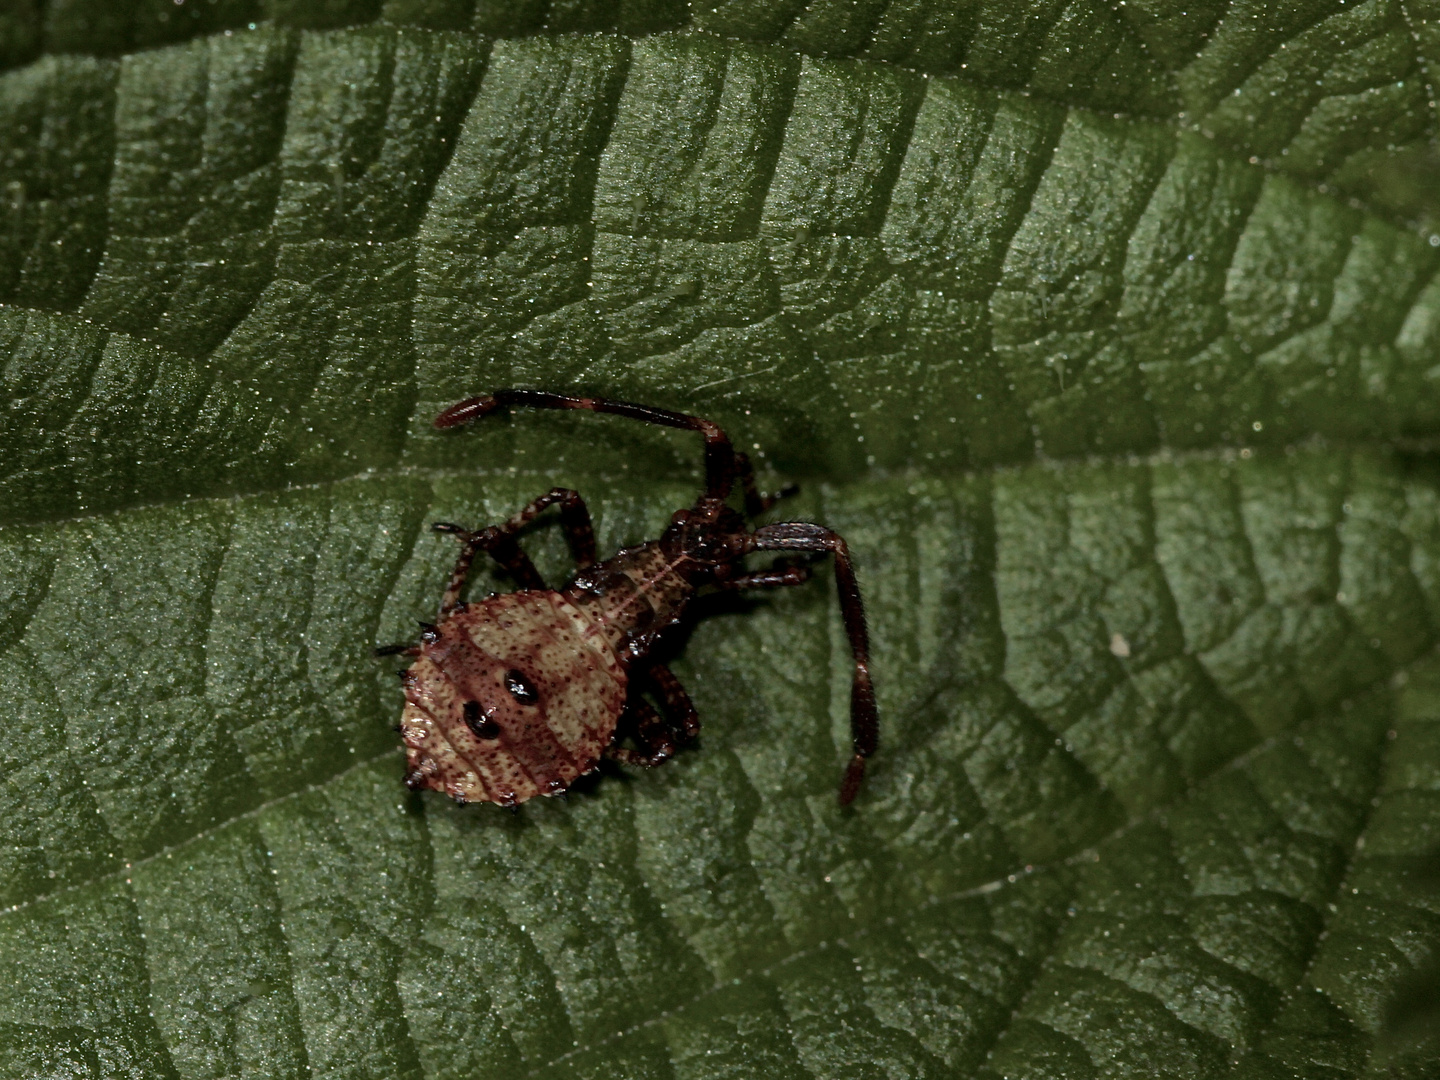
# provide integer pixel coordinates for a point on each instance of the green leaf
(1108, 337)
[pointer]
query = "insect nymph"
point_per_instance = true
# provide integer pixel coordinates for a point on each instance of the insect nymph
(518, 695)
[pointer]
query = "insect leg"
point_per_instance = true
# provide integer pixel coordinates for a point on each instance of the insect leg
(499, 541)
(755, 503)
(677, 702)
(505, 550)
(719, 454)
(461, 572)
(864, 717)
(574, 520)
(502, 548)
(403, 649)
(650, 731)
(781, 573)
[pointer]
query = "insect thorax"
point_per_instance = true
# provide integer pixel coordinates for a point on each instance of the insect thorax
(633, 595)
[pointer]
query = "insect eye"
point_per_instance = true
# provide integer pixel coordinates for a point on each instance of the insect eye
(483, 729)
(520, 687)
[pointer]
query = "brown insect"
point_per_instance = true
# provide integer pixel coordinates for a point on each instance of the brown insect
(520, 694)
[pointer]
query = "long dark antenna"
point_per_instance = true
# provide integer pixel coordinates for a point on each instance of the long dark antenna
(719, 454)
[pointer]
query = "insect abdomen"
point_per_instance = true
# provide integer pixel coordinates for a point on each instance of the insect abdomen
(514, 698)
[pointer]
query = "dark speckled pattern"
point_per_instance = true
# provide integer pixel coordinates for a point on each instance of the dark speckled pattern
(542, 746)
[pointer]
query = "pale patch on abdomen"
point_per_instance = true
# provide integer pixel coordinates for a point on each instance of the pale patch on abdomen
(537, 749)
(580, 681)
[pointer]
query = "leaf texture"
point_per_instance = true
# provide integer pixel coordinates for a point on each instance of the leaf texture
(254, 258)
(1102, 335)
(1170, 837)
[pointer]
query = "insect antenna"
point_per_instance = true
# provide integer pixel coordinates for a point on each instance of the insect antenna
(720, 464)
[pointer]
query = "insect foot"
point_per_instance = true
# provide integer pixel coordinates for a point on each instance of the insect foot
(522, 693)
